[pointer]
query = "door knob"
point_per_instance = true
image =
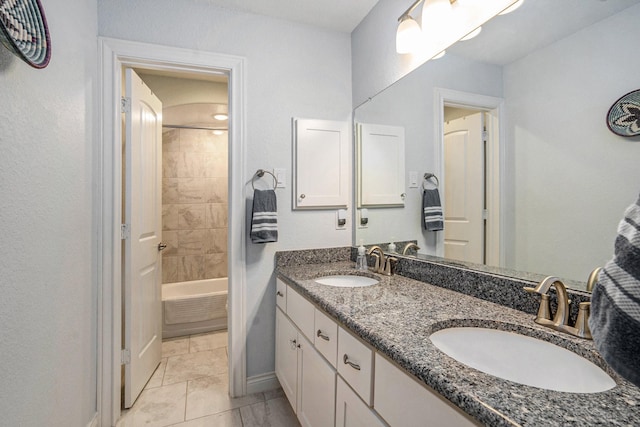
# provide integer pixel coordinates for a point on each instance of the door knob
(161, 246)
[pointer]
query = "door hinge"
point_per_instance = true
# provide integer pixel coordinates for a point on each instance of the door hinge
(125, 356)
(485, 135)
(124, 231)
(485, 214)
(125, 105)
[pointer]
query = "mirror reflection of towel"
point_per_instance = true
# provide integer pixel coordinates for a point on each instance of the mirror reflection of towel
(264, 218)
(432, 218)
(615, 301)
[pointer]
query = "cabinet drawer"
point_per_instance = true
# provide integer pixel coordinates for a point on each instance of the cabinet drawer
(420, 406)
(326, 337)
(355, 362)
(301, 312)
(281, 294)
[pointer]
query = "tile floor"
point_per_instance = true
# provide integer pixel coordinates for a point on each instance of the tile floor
(190, 389)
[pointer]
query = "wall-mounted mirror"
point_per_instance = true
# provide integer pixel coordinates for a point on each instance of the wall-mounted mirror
(554, 180)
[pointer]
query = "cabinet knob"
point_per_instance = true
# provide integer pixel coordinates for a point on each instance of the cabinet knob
(293, 343)
(302, 196)
(280, 294)
(346, 361)
(322, 335)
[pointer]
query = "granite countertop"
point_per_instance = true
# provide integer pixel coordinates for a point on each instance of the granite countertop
(397, 316)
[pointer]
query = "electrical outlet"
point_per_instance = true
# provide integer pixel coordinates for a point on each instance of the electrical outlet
(341, 219)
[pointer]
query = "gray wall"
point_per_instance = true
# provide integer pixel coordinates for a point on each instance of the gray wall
(293, 71)
(48, 303)
(568, 168)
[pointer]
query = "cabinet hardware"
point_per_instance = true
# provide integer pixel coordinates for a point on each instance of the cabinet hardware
(162, 246)
(322, 335)
(280, 294)
(346, 361)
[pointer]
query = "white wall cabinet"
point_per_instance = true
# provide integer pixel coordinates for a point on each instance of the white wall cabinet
(321, 164)
(381, 174)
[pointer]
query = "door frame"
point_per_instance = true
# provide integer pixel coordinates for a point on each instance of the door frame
(114, 54)
(495, 163)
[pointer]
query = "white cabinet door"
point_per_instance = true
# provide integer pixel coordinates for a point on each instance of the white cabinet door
(287, 357)
(401, 401)
(381, 177)
(317, 385)
(351, 411)
(321, 164)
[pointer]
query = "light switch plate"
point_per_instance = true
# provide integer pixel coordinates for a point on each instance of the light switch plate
(413, 179)
(281, 177)
(363, 213)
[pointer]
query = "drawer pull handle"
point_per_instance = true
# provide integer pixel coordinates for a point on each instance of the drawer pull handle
(346, 361)
(322, 335)
(280, 294)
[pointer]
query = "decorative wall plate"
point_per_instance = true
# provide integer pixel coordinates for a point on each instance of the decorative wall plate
(623, 117)
(23, 30)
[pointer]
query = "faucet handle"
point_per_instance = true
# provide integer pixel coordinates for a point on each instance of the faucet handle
(582, 322)
(390, 265)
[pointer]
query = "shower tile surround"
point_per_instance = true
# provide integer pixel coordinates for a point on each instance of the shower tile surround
(398, 317)
(194, 205)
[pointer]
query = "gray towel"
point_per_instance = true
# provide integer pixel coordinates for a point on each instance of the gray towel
(615, 302)
(264, 219)
(432, 219)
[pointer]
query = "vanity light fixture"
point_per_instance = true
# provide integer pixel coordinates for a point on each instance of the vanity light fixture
(512, 7)
(443, 22)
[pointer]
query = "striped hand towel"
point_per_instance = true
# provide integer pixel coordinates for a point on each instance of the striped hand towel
(264, 219)
(432, 219)
(615, 302)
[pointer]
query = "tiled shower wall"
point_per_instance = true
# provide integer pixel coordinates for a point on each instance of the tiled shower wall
(194, 205)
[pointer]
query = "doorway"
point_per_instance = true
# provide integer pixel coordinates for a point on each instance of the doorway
(187, 295)
(488, 158)
(117, 55)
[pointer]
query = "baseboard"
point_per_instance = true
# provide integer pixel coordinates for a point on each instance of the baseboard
(94, 421)
(262, 382)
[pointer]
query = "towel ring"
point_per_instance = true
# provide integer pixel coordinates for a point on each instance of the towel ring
(259, 174)
(428, 176)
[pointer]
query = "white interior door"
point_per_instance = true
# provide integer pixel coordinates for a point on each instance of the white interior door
(143, 216)
(464, 189)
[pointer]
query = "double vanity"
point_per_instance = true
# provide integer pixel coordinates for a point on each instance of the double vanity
(433, 345)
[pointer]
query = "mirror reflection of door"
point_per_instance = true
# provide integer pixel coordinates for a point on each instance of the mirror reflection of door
(464, 175)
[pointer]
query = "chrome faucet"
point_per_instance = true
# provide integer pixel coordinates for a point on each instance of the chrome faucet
(410, 246)
(384, 265)
(560, 320)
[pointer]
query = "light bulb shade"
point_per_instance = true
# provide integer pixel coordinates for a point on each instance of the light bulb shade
(436, 16)
(511, 8)
(408, 35)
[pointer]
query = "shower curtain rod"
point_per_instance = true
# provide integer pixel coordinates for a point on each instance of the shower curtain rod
(192, 127)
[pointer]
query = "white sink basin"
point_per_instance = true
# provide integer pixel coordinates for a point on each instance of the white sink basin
(522, 359)
(346, 281)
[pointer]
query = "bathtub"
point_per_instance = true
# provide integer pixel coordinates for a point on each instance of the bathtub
(194, 307)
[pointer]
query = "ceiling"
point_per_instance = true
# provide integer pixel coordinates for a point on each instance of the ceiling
(335, 15)
(536, 24)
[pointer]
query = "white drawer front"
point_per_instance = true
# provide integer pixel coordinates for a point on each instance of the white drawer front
(355, 361)
(420, 406)
(301, 312)
(326, 336)
(281, 294)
